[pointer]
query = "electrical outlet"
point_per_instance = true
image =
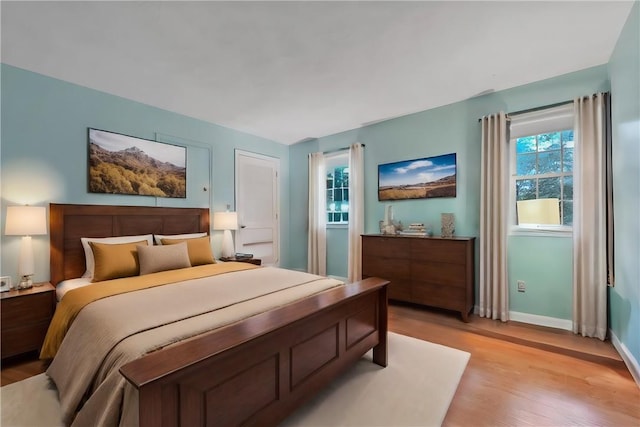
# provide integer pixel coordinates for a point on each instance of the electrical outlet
(522, 286)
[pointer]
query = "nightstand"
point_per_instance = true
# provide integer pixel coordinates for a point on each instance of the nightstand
(255, 261)
(25, 316)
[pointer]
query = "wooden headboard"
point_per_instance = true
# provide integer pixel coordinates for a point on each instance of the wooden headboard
(68, 223)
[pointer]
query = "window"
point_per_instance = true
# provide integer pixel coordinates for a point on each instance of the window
(337, 189)
(542, 170)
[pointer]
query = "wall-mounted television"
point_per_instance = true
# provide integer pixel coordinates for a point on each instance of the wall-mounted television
(123, 164)
(418, 179)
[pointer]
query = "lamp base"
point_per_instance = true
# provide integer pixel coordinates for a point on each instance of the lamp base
(25, 282)
(228, 250)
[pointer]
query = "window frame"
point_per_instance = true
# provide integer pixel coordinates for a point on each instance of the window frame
(547, 120)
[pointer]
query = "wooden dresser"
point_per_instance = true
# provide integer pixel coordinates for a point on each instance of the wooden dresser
(432, 271)
(25, 318)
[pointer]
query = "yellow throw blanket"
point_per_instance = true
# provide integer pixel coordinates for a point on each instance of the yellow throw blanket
(76, 299)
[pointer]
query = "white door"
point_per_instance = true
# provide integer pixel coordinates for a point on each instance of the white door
(257, 205)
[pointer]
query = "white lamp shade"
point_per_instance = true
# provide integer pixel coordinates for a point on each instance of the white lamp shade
(26, 221)
(225, 221)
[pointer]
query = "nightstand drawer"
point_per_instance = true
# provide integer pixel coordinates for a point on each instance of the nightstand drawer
(27, 309)
(23, 338)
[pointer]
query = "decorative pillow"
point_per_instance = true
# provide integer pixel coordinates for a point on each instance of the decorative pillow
(158, 237)
(113, 261)
(160, 258)
(88, 253)
(199, 249)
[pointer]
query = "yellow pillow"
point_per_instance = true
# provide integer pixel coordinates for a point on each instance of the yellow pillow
(199, 249)
(113, 261)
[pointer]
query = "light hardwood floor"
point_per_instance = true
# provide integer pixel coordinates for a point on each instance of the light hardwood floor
(523, 375)
(518, 375)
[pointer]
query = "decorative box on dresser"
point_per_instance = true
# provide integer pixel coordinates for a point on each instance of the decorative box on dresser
(25, 316)
(432, 271)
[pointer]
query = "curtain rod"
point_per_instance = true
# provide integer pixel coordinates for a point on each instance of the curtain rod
(336, 150)
(531, 110)
(544, 107)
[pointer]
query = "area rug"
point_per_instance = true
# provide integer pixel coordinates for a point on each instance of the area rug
(414, 390)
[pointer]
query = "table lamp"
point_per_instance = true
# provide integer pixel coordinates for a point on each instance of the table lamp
(226, 221)
(26, 221)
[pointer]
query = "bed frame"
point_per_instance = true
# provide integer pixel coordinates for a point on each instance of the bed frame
(252, 372)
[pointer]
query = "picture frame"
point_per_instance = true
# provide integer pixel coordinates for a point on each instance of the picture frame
(423, 178)
(123, 164)
(5, 283)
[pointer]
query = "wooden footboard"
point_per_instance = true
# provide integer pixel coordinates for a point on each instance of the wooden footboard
(259, 370)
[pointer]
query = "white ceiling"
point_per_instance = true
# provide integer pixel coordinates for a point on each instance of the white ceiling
(288, 71)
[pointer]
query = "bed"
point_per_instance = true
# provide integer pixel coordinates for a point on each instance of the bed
(254, 371)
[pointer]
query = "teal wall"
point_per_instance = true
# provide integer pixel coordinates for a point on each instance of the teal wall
(624, 71)
(447, 129)
(44, 153)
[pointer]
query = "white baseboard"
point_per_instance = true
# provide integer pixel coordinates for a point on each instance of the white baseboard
(534, 319)
(629, 360)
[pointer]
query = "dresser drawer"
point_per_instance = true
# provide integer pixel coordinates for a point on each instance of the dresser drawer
(387, 247)
(449, 251)
(386, 268)
(437, 295)
(439, 272)
(27, 309)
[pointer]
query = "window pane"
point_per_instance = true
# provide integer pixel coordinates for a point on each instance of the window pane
(526, 164)
(345, 217)
(336, 217)
(567, 213)
(568, 160)
(330, 180)
(526, 144)
(338, 195)
(525, 189)
(549, 141)
(338, 180)
(567, 188)
(329, 196)
(330, 217)
(549, 161)
(567, 138)
(548, 188)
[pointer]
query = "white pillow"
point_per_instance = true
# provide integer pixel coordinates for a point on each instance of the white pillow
(158, 237)
(88, 253)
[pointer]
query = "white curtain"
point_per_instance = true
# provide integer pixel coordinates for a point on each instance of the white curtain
(494, 211)
(356, 210)
(317, 241)
(590, 216)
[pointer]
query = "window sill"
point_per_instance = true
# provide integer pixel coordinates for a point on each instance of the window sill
(541, 231)
(337, 226)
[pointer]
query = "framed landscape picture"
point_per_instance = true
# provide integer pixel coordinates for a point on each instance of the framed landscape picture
(418, 179)
(122, 164)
